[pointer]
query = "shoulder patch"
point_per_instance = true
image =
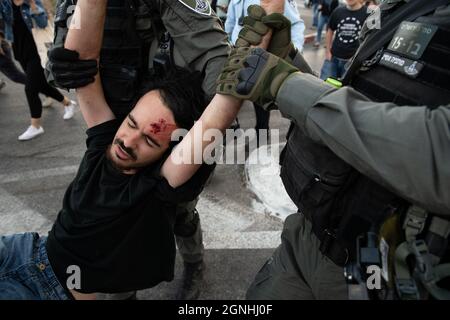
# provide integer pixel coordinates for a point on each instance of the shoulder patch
(199, 6)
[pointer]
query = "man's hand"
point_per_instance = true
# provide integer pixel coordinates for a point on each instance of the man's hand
(69, 71)
(328, 55)
(254, 74)
(257, 24)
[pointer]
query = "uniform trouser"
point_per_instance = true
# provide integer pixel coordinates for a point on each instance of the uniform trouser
(189, 242)
(298, 270)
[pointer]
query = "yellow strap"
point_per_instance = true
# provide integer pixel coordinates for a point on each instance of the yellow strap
(334, 82)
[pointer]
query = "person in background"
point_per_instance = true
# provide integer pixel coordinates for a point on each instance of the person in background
(222, 9)
(326, 8)
(342, 38)
(7, 65)
(17, 18)
(9, 68)
(315, 9)
(236, 12)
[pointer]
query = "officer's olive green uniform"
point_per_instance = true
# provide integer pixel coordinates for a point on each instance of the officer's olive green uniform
(135, 46)
(399, 138)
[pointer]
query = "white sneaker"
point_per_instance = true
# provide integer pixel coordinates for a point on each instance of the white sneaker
(47, 102)
(32, 132)
(69, 110)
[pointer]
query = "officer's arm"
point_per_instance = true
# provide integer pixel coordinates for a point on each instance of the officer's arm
(219, 115)
(198, 36)
(404, 148)
(86, 40)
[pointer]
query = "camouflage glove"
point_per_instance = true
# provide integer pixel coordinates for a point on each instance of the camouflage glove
(254, 74)
(257, 24)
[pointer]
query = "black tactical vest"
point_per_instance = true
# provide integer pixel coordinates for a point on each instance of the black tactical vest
(413, 69)
(130, 28)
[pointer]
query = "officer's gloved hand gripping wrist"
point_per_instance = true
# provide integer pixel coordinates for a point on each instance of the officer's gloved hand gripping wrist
(69, 72)
(254, 74)
(257, 24)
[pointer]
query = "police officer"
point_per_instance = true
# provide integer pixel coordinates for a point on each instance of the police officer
(145, 39)
(359, 154)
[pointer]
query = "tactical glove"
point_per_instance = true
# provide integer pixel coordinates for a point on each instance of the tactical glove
(257, 24)
(254, 74)
(69, 72)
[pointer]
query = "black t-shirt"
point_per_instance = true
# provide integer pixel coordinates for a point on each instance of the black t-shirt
(347, 25)
(24, 46)
(117, 228)
(328, 6)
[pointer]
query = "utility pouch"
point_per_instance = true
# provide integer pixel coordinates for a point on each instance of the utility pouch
(312, 174)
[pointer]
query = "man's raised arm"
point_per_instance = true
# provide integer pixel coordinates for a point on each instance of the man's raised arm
(85, 37)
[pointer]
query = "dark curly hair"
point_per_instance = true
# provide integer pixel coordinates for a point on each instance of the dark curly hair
(181, 91)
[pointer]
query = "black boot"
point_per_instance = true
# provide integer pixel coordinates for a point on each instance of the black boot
(191, 281)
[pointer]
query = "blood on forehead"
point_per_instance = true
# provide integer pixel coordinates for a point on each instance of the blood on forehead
(161, 127)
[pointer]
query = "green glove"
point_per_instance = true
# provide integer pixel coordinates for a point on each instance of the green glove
(253, 29)
(257, 24)
(254, 74)
(281, 43)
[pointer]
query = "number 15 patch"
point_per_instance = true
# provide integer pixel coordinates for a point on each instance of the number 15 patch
(412, 38)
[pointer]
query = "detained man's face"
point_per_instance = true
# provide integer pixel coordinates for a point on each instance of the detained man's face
(144, 135)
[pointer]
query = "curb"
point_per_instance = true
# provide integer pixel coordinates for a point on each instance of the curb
(310, 38)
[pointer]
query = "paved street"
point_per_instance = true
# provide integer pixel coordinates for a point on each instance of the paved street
(240, 232)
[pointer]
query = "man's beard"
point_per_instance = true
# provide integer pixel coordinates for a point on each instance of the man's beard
(127, 150)
(118, 166)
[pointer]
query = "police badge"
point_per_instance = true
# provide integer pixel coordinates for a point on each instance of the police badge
(199, 6)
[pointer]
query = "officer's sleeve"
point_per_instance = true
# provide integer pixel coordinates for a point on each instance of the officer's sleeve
(406, 149)
(205, 44)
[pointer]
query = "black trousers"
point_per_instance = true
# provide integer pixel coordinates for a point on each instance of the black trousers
(35, 84)
(262, 118)
(8, 67)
